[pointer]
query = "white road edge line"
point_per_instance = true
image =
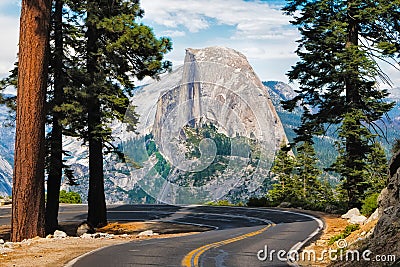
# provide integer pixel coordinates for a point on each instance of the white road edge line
(298, 245)
(292, 261)
(75, 260)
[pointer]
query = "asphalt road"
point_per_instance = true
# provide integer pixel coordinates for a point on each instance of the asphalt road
(238, 236)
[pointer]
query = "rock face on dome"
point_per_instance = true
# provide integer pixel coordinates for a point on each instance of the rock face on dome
(212, 126)
(215, 84)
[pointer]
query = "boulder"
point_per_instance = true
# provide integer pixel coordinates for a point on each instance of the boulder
(86, 235)
(358, 219)
(8, 245)
(147, 233)
(85, 228)
(59, 234)
(351, 213)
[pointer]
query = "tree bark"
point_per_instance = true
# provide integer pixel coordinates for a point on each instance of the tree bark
(28, 180)
(55, 161)
(97, 212)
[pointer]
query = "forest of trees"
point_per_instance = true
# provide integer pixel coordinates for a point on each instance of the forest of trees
(342, 44)
(76, 68)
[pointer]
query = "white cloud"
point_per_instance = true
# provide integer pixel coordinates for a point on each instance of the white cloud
(257, 29)
(254, 20)
(173, 33)
(9, 31)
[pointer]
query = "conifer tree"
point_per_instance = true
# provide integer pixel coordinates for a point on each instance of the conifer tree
(308, 172)
(377, 169)
(288, 188)
(84, 96)
(338, 75)
(118, 49)
(55, 156)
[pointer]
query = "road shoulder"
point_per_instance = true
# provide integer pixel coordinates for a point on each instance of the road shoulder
(54, 252)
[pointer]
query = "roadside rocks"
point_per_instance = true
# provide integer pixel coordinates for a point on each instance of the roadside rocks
(59, 234)
(6, 247)
(354, 216)
(97, 235)
(357, 219)
(146, 233)
(351, 213)
(85, 228)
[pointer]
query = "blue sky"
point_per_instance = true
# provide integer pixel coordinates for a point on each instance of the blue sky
(256, 28)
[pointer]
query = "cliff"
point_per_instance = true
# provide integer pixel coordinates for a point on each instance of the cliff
(386, 236)
(214, 96)
(218, 84)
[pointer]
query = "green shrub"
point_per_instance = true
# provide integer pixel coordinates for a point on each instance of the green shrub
(347, 231)
(370, 204)
(70, 197)
(257, 202)
(221, 202)
(262, 202)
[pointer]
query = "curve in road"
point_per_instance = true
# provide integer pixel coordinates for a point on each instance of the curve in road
(242, 237)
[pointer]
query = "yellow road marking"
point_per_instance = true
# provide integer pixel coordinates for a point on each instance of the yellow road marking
(192, 258)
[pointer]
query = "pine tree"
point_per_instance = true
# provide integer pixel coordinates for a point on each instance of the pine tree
(117, 50)
(377, 169)
(338, 71)
(308, 172)
(28, 180)
(289, 186)
(55, 161)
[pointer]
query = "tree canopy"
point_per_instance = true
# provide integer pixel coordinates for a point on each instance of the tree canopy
(342, 46)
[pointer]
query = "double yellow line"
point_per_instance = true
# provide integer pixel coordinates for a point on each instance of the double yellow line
(192, 258)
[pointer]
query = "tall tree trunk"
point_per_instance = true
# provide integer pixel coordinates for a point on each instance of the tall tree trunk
(55, 162)
(28, 180)
(97, 213)
(353, 142)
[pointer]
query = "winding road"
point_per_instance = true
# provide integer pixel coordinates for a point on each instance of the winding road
(240, 236)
